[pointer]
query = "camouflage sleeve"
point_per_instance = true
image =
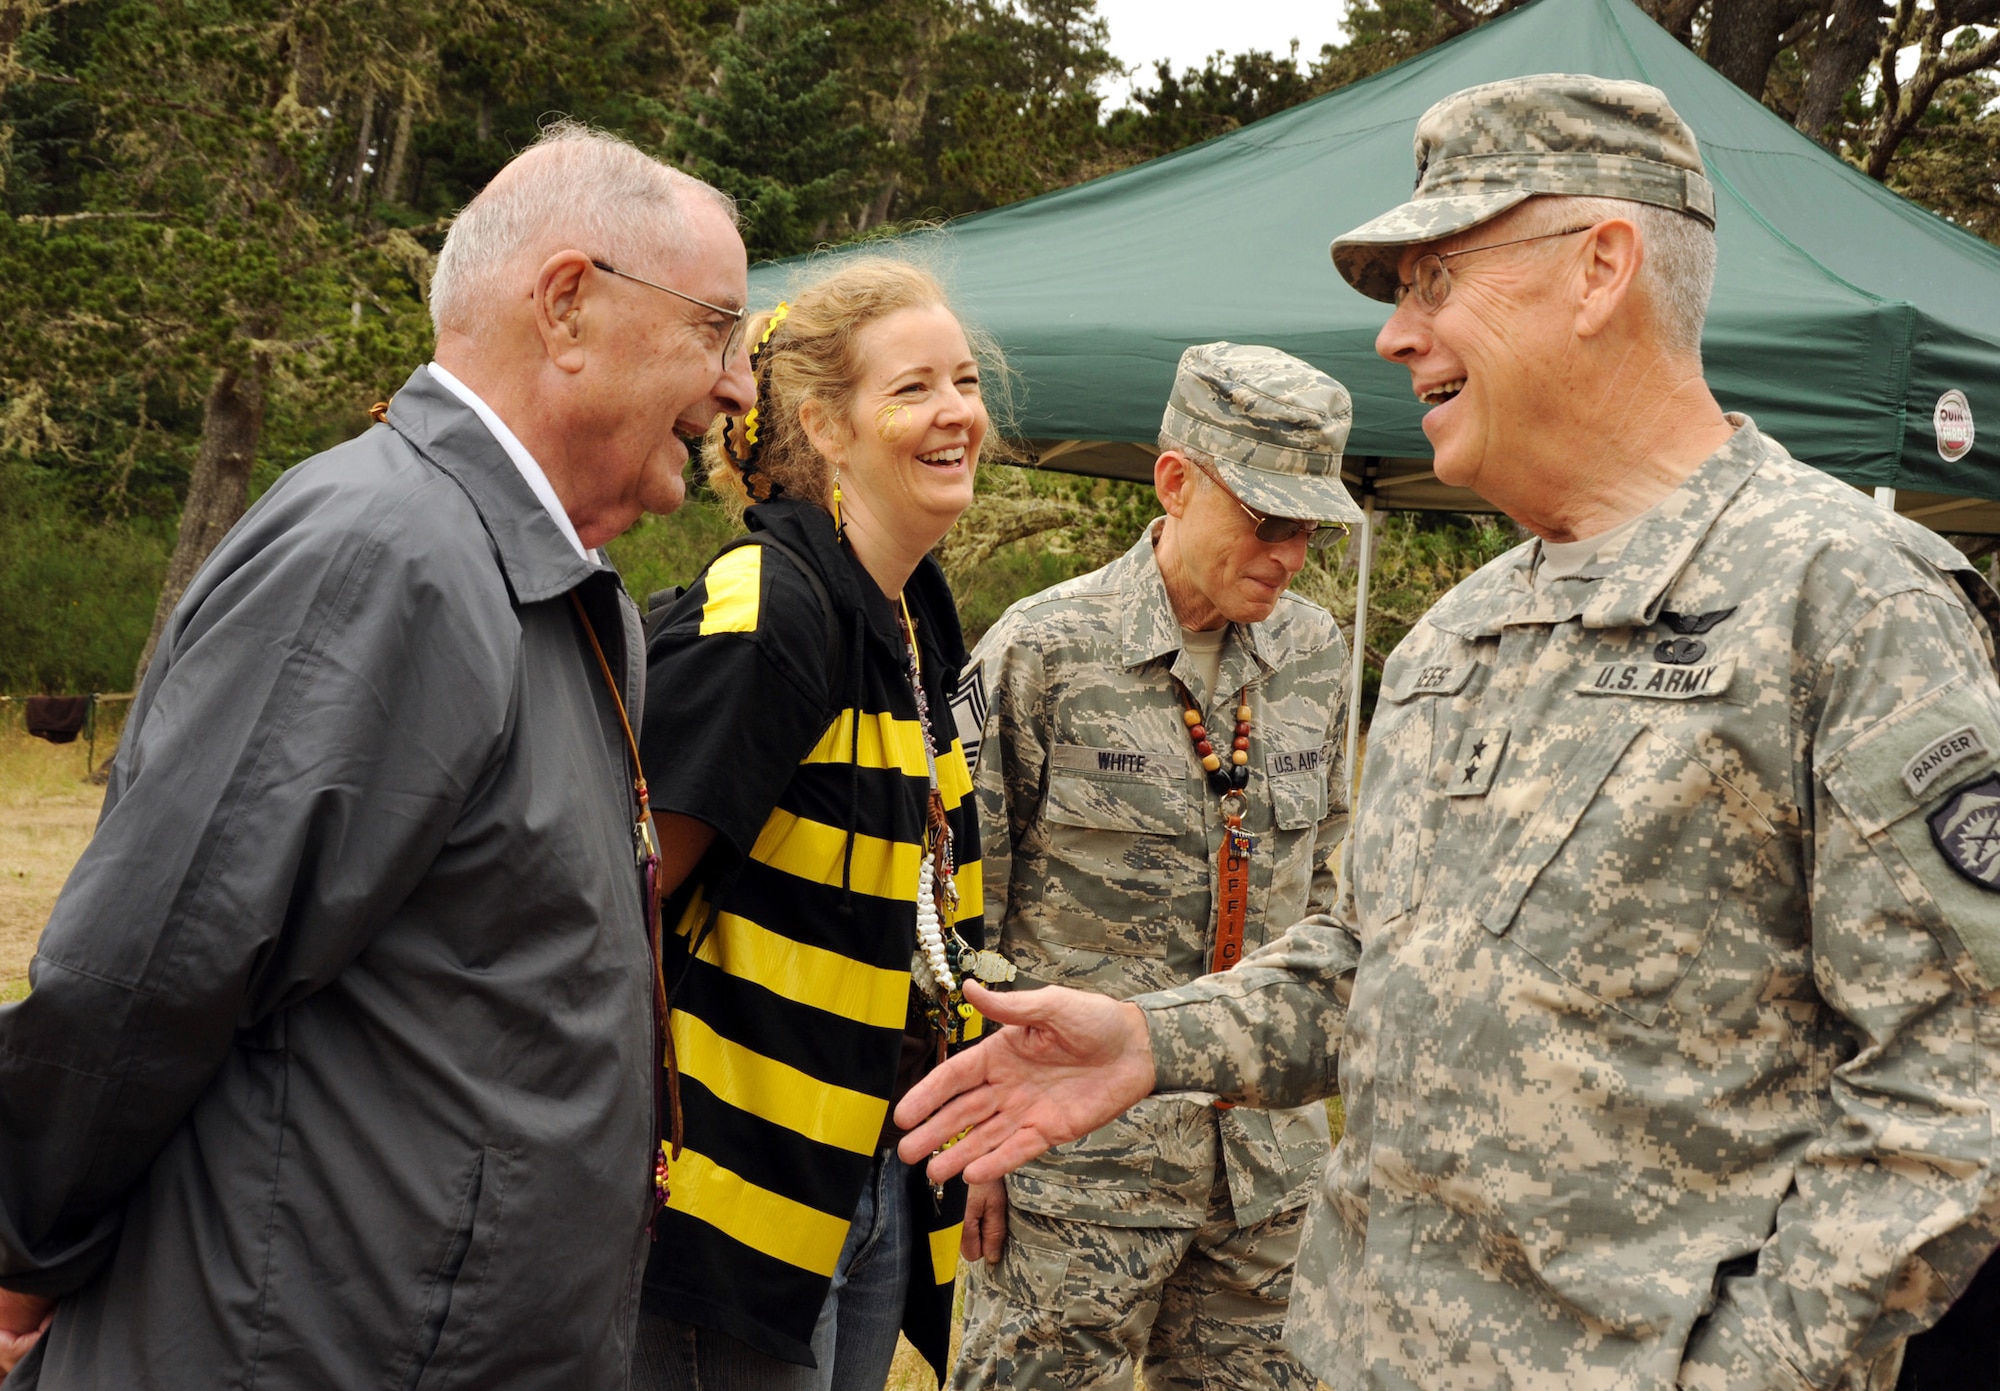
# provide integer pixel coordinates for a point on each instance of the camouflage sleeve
(1266, 1033)
(1013, 751)
(1332, 832)
(1891, 1206)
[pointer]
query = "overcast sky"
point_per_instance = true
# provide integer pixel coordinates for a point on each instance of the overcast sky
(1187, 31)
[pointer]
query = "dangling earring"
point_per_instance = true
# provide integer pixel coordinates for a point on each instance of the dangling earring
(839, 527)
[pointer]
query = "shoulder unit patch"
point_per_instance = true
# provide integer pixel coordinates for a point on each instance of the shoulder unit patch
(1967, 831)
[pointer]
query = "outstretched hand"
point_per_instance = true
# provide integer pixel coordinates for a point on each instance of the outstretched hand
(1066, 1063)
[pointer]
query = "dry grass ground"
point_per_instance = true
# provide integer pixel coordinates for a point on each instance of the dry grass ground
(47, 810)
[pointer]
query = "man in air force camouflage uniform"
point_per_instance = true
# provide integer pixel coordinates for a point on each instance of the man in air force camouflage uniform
(1662, 987)
(1168, 1234)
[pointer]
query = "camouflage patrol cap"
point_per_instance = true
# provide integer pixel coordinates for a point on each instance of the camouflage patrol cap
(1489, 148)
(1274, 426)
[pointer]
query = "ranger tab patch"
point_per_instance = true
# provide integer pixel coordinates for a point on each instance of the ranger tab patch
(1967, 831)
(1934, 760)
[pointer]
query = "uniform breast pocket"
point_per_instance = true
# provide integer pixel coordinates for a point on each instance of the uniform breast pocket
(1388, 827)
(1298, 800)
(1298, 805)
(1114, 859)
(1615, 881)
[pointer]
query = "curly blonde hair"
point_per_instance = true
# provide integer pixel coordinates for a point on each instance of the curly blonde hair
(812, 355)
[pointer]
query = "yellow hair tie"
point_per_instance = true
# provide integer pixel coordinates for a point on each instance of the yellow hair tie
(778, 316)
(741, 436)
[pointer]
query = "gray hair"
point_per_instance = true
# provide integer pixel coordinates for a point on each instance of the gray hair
(1198, 457)
(613, 201)
(1678, 273)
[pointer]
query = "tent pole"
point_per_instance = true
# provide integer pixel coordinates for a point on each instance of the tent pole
(1364, 563)
(1886, 497)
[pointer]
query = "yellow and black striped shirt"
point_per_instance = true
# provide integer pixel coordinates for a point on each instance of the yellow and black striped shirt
(789, 1015)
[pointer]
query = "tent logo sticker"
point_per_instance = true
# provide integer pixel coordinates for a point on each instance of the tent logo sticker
(1953, 421)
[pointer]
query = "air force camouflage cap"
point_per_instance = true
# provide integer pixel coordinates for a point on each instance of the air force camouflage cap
(1273, 425)
(1489, 148)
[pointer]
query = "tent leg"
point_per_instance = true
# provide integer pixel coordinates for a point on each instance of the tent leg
(1364, 563)
(1886, 497)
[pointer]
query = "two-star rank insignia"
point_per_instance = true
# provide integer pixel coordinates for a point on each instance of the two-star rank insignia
(1687, 649)
(1966, 830)
(1478, 758)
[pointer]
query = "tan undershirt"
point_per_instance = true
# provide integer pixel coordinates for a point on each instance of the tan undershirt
(1204, 649)
(1562, 559)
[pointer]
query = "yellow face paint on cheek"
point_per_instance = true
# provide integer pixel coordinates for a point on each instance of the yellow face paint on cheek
(892, 421)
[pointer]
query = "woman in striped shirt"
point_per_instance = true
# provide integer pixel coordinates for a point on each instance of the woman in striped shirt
(821, 853)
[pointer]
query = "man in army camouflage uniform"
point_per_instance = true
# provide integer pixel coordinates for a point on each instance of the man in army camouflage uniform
(1662, 989)
(1169, 1233)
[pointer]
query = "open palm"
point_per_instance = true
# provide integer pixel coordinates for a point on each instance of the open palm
(1065, 1063)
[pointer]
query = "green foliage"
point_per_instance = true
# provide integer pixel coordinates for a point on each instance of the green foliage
(77, 593)
(258, 186)
(778, 128)
(664, 551)
(1951, 163)
(1419, 556)
(1028, 529)
(1223, 95)
(1017, 114)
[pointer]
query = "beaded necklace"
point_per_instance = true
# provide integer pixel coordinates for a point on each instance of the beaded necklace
(936, 869)
(939, 947)
(1232, 882)
(1237, 776)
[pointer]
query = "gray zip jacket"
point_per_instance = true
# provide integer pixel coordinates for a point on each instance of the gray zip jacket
(337, 1066)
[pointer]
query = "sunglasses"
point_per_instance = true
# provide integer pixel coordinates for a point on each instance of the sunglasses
(738, 318)
(1275, 531)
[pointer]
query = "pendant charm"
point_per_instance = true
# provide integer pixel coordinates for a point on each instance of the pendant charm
(662, 1189)
(986, 967)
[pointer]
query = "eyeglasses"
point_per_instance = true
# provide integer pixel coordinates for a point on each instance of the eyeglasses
(1275, 531)
(1432, 281)
(738, 318)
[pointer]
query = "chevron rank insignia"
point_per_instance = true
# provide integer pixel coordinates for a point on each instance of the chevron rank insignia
(1967, 831)
(968, 711)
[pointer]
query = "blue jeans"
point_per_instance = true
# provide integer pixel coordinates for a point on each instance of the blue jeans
(854, 1340)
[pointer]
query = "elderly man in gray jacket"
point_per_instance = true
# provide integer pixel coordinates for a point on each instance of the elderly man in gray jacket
(339, 1063)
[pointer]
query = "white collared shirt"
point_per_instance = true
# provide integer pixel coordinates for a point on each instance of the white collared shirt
(518, 452)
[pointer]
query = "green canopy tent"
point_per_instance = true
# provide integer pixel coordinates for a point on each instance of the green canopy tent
(1842, 313)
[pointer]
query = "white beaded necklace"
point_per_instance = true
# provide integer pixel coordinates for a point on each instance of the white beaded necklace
(932, 966)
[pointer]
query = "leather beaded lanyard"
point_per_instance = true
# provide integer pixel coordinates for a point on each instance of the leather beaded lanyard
(1232, 882)
(647, 852)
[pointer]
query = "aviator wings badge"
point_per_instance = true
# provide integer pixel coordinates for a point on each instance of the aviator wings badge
(1687, 649)
(1967, 831)
(1694, 624)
